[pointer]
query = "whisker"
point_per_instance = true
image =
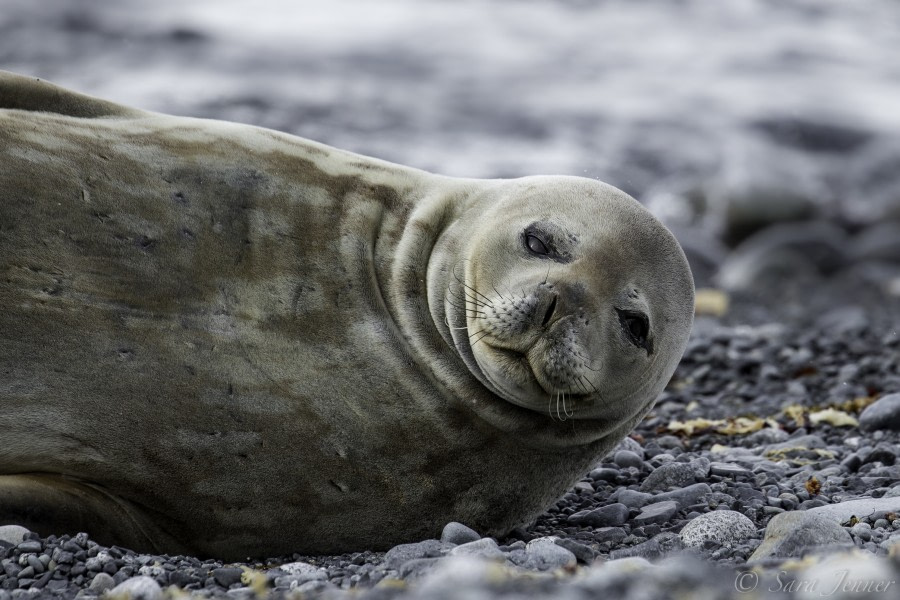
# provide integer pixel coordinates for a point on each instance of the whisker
(467, 296)
(479, 339)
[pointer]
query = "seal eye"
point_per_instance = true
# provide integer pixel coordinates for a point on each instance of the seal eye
(636, 327)
(535, 245)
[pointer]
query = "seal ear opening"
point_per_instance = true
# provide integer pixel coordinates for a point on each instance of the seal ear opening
(19, 92)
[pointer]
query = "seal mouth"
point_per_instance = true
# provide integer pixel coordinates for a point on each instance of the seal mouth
(517, 360)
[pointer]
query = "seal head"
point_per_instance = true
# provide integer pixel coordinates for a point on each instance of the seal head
(567, 298)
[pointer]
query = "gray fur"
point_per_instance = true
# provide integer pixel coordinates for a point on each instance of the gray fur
(229, 341)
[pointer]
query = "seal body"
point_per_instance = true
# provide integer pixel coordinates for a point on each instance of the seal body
(223, 340)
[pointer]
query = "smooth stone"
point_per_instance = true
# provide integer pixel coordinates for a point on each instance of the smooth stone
(884, 413)
(724, 527)
(860, 508)
(604, 474)
(396, 556)
(227, 576)
(584, 554)
(137, 588)
(610, 515)
(658, 512)
(13, 534)
(728, 470)
(303, 570)
(629, 444)
(457, 533)
(30, 546)
(790, 533)
(627, 458)
(544, 554)
(657, 546)
(669, 475)
(484, 548)
(102, 582)
(685, 496)
(611, 535)
(633, 498)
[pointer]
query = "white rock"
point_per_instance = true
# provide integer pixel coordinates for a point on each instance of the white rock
(136, 588)
(725, 527)
(13, 534)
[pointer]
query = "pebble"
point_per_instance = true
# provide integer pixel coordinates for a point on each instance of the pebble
(669, 475)
(863, 507)
(627, 458)
(227, 576)
(136, 588)
(884, 413)
(633, 498)
(685, 496)
(457, 533)
(30, 546)
(13, 534)
(485, 548)
(401, 553)
(101, 582)
(610, 515)
(658, 512)
(544, 554)
(724, 527)
(789, 534)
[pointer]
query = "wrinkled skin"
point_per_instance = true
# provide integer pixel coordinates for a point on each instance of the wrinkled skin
(223, 340)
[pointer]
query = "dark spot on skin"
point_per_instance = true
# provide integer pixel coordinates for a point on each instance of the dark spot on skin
(178, 198)
(146, 243)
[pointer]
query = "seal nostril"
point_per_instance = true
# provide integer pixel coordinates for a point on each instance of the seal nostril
(550, 311)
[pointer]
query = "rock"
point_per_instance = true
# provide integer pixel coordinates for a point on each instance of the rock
(789, 534)
(659, 545)
(30, 546)
(724, 527)
(633, 498)
(227, 576)
(628, 444)
(416, 568)
(303, 571)
(685, 496)
(610, 515)
(861, 508)
(610, 535)
(667, 476)
(627, 458)
(658, 512)
(584, 554)
(102, 582)
(136, 588)
(544, 554)
(13, 534)
(484, 548)
(884, 413)
(728, 470)
(457, 533)
(396, 556)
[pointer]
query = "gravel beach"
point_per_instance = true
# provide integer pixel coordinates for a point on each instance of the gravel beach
(766, 136)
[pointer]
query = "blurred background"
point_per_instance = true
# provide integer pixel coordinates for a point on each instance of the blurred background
(765, 133)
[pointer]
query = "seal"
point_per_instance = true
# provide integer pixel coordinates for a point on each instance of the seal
(222, 340)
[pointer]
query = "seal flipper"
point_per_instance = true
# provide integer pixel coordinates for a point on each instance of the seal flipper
(19, 92)
(55, 505)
